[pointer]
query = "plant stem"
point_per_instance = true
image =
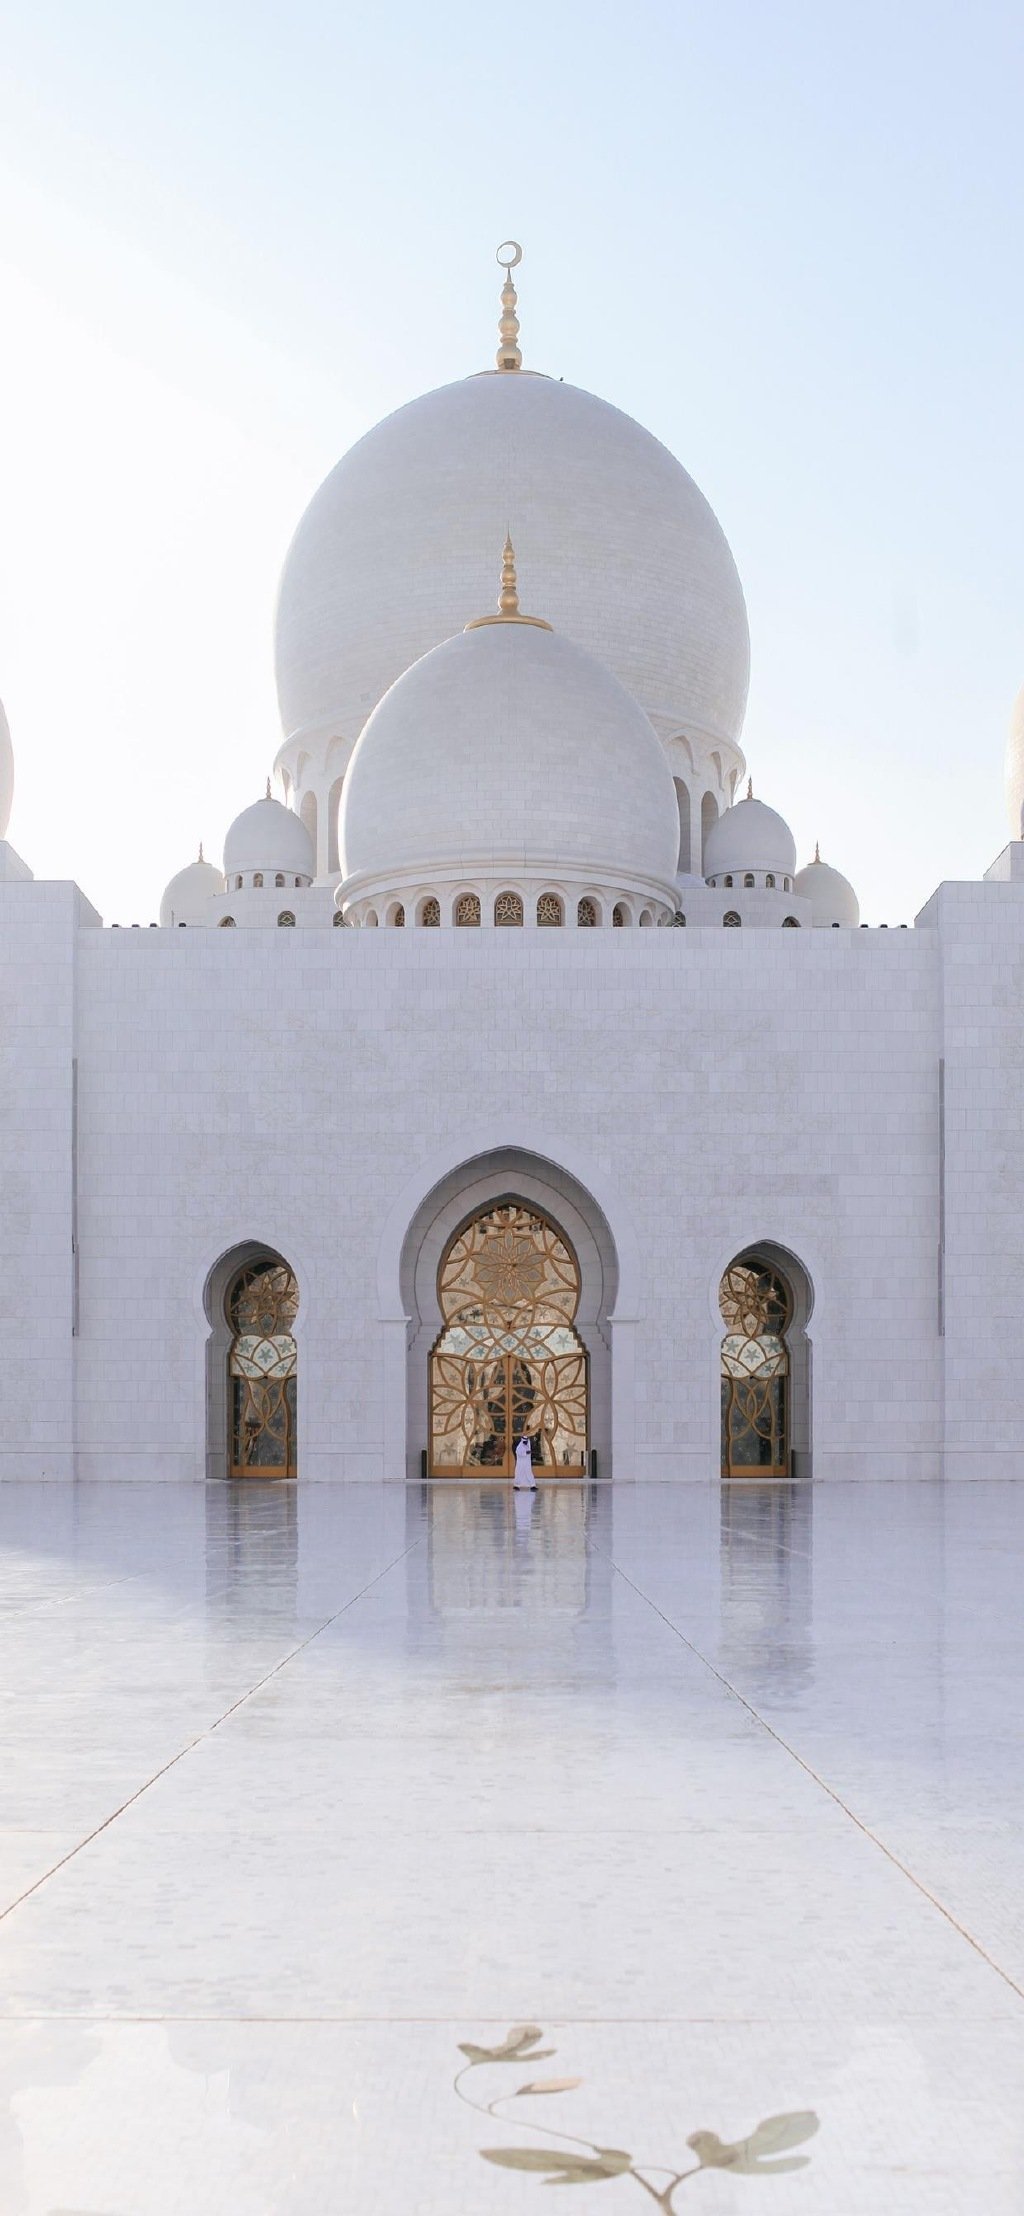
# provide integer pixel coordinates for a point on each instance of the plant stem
(664, 2199)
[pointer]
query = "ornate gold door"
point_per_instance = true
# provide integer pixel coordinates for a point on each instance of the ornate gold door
(262, 1363)
(755, 1371)
(508, 1362)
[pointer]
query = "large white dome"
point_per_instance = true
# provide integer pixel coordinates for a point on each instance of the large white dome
(6, 773)
(509, 749)
(615, 542)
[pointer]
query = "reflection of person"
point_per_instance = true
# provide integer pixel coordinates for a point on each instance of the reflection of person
(524, 1477)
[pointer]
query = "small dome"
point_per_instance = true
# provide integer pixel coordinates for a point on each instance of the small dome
(831, 895)
(268, 837)
(1015, 768)
(188, 896)
(6, 773)
(749, 837)
(507, 748)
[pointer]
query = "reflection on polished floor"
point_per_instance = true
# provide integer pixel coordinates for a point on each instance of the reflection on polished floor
(711, 1802)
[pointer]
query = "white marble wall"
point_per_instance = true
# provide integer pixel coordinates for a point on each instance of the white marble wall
(711, 1088)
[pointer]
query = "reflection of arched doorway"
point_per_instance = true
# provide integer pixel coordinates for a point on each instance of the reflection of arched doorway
(262, 1300)
(757, 1311)
(508, 1360)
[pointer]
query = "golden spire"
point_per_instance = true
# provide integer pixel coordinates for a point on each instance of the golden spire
(508, 258)
(508, 597)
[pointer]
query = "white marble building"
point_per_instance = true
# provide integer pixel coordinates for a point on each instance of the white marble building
(598, 1119)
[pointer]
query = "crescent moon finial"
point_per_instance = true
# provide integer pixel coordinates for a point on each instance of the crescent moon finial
(508, 257)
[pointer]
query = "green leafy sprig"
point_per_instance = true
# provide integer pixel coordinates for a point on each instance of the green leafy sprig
(763, 2153)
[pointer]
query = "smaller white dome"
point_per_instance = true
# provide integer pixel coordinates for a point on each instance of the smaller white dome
(6, 773)
(509, 748)
(831, 895)
(268, 837)
(188, 896)
(749, 836)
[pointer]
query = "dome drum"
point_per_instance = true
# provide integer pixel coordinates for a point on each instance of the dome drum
(574, 900)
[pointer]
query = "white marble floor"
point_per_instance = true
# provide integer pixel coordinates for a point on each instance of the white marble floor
(714, 1803)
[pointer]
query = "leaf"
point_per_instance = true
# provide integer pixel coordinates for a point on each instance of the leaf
(746, 2157)
(548, 2085)
(615, 2160)
(788, 2130)
(558, 2169)
(519, 2045)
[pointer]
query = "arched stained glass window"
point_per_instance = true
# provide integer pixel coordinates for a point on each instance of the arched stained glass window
(756, 1309)
(508, 1362)
(262, 1362)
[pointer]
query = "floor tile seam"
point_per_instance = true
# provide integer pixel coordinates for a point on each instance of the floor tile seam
(200, 1737)
(829, 1790)
(555, 2021)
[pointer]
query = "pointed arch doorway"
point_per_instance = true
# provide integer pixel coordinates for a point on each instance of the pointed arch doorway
(508, 1361)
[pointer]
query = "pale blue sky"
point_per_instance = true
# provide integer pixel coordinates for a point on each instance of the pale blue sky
(785, 237)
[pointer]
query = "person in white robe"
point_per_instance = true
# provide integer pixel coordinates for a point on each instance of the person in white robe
(524, 1478)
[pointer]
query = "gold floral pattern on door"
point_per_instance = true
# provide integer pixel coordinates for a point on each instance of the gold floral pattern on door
(262, 1363)
(508, 1362)
(755, 1309)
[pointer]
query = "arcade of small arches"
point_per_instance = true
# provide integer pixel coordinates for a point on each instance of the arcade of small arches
(509, 1340)
(469, 909)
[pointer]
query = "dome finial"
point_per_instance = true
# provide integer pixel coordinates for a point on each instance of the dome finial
(202, 857)
(817, 851)
(508, 258)
(750, 788)
(508, 598)
(268, 795)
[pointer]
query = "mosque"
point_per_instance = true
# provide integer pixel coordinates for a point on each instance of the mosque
(509, 1078)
